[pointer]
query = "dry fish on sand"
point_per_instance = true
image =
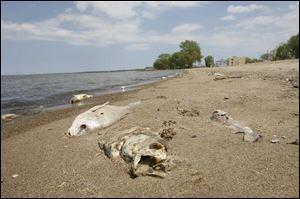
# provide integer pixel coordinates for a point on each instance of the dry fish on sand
(8, 117)
(143, 148)
(222, 117)
(79, 97)
(98, 117)
(219, 76)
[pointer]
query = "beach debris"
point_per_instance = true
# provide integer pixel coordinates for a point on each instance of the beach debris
(193, 136)
(161, 97)
(295, 114)
(8, 117)
(275, 141)
(296, 142)
(168, 133)
(222, 117)
(294, 81)
(123, 88)
(98, 117)
(219, 76)
(14, 175)
(226, 98)
(191, 113)
(283, 137)
(169, 123)
(79, 97)
(214, 74)
(143, 148)
(163, 78)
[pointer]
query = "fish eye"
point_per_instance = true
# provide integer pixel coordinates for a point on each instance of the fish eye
(82, 126)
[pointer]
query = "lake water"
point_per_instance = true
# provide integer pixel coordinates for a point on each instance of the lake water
(27, 94)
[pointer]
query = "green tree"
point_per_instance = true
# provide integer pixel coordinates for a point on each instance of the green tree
(163, 62)
(191, 52)
(177, 60)
(209, 61)
(293, 44)
(283, 52)
(267, 57)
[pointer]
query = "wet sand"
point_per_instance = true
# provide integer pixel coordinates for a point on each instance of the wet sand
(214, 161)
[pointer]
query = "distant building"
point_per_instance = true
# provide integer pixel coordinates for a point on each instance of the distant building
(221, 62)
(233, 61)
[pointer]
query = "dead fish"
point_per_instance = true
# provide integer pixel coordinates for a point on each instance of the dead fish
(222, 117)
(79, 97)
(98, 117)
(8, 117)
(143, 148)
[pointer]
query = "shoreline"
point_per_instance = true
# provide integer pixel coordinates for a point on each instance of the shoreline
(25, 122)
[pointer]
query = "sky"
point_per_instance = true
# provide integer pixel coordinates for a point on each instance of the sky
(76, 36)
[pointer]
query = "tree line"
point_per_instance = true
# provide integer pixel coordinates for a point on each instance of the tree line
(288, 50)
(190, 52)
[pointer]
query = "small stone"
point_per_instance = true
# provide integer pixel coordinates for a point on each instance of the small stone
(15, 175)
(66, 146)
(225, 98)
(284, 137)
(193, 136)
(275, 141)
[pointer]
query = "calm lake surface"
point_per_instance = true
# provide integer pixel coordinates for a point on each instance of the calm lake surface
(27, 94)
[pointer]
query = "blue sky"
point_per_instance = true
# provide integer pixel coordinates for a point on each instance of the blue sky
(50, 37)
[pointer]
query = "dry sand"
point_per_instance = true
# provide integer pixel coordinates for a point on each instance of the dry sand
(214, 161)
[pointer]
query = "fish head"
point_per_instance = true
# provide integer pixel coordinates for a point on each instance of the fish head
(82, 125)
(77, 129)
(219, 116)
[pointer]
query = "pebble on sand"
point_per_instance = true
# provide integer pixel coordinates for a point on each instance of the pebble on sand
(275, 141)
(15, 175)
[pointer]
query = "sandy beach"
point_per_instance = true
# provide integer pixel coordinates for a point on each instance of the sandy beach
(214, 162)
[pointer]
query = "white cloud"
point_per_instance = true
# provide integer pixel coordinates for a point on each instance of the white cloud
(129, 9)
(255, 35)
(80, 26)
(288, 21)
(186, 28)
(244, 9)
(84, 25)
(228, 18)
